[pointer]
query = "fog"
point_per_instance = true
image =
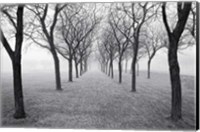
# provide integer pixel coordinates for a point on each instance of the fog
(36, 59)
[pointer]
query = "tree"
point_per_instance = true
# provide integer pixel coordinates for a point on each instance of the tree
(119, 22)
(191, 22)
(103, 58)
(183, 10)
(108, 43)
(76, 25)
(86, 57)
(138, 14)
(78, 56)
(40, 11)
(152, 44)
(15, 57)
(84, 52)
(68, 32)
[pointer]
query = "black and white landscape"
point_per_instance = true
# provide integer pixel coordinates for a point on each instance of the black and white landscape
(99, 65)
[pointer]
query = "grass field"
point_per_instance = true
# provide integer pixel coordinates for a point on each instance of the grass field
(95, 101)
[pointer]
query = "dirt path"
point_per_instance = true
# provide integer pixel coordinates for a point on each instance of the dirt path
(96, 101)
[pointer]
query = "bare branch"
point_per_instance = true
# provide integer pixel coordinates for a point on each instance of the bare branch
(165, 19)
(6, 44)
(10, 18)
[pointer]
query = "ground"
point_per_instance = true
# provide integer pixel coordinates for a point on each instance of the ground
(95, 101)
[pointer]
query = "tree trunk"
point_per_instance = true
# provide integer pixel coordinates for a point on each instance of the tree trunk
(18, 92)
(15, 57)
(57, 69)
(148, 70)
(109, 69)
(174, 36)
(111, 66)
(133, 75)
(76, 67)
(81, 68)
(70, 70)
(174, 69)
(134, 61)
(120, 71)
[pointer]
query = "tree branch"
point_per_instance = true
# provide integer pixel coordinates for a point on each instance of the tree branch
(10, 18)
(6, 45)
(165, 19)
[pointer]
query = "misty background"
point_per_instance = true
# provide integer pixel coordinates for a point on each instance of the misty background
(34, 58)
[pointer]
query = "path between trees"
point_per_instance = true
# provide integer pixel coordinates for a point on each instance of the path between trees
(96, 101)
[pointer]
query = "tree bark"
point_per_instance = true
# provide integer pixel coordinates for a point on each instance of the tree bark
(133, 75)
(76, 67)
(81, 68)
(57, 69)
(134, 61)
(120, 71)
(109, 69)
(70, 70)
(174, 69)
(112, 71)
(148, 69)
(18, 90)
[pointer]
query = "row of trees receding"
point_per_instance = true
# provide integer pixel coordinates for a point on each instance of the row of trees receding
(136, 30)
(129, 31)
(62, 29)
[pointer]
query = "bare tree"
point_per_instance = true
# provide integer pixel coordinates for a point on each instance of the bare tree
(108, 41)
(188, 37)
(183, 10)
(152, 43)
(84, 52)
(68, 33)
(121, 41)
(78, 56)
(46, 31)
(15, 56)
(77, 25)
(103, 57)
(86, 57)
(191, 23)
(138, 14)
